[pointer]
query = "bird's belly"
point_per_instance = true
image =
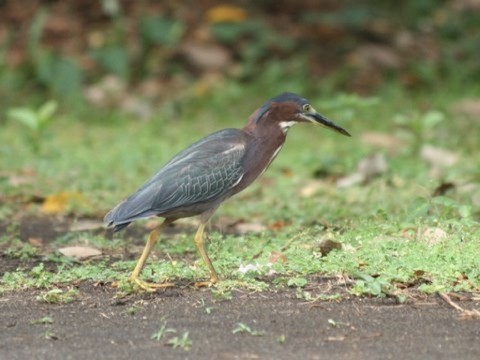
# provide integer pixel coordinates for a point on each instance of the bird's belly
(191, 209)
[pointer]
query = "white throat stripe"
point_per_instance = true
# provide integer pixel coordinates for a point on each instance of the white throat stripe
(285, 125)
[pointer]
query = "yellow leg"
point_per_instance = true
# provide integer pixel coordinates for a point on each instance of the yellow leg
(152, 240)
(201, 249)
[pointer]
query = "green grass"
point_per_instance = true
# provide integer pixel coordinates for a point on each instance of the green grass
(383, 225)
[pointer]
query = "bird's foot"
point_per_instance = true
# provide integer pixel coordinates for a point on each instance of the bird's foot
(213, 280)
(148, 286)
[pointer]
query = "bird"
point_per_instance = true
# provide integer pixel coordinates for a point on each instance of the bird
(196, 181)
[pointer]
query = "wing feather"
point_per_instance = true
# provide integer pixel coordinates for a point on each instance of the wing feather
(203, 172)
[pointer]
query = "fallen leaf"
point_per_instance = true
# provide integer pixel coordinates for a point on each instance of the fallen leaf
(59, 203)
(350, 180)
(368, 168)
(310, 188)
(277, 225)
(287, 171)
(418, 273)
(336, 338)
(443, 188)
(438, 159)
(374, 165)
(249, 227)
(468, 107)
(79, 252)
(249, 267)
(84, 225)
(375, 56)
(109, 91)
(276, 256)
(327, 245)
(385, 141)
(433, 235)
(135, 105)
(226, 13)
(36, 242)
(206, 56)
(409, 233)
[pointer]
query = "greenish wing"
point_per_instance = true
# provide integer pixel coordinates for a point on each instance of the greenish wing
(205, 171)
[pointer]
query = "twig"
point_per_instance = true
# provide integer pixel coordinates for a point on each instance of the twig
(450, 302)
(465, 314)
(289, 242)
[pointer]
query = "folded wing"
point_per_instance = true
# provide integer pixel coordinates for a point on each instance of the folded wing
(205, 171)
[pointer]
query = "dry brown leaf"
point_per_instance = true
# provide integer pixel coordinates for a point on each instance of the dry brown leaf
(84, 225)
(368, 168)
(36, 242)
(375, 164)
(310, 188)
(375, 56)
(438, 159)
(327, 245)
(418, 273)
(409, 233)
(109, 91)
(443, 188)
(79, 252)
(381, 140)
(433, 235)
(350, 180)
(467, 107)
(249, 227)
(206, 56)
(276, 256)
(278, 225)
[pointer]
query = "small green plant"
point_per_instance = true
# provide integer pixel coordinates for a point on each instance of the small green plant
(36, 121)
(245, 329)
(334, 323)
(307, 296)
(58, 296)
(162, 332)
(126, 287)
(136, 307)
(376, 286)
(23, 253)
(183, 342)
(281, 339)
(209, 309)
(47, 320)
(49, 335)
(298, 282)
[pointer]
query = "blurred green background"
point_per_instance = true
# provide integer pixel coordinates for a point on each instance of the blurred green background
(138, 56)
(137, 81)
(95, 95)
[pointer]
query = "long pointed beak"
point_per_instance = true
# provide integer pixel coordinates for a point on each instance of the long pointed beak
(322, 120)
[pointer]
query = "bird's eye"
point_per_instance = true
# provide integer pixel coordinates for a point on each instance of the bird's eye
(307, 108)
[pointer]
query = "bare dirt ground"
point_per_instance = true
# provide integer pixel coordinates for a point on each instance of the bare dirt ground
(98, 325)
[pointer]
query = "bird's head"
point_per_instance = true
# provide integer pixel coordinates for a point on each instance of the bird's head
(288, 109)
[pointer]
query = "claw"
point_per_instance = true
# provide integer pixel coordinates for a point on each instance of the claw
(151, 287)
(213, 280)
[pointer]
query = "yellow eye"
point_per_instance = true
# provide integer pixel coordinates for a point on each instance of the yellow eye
(307, 108)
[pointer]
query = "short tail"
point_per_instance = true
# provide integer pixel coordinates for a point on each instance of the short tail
(111, 219)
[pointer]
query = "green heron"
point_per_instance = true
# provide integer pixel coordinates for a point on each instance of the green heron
(198, 179)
